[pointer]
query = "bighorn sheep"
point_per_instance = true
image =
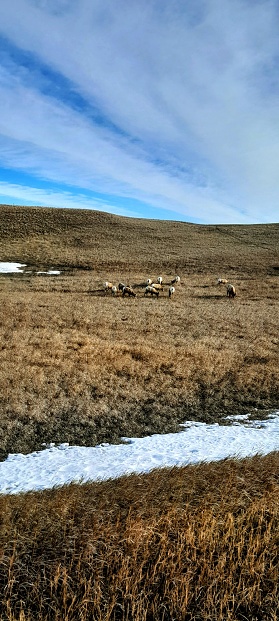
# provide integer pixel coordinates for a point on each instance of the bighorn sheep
(129, 292)
(171, 291)
(231, 292)
(150, 289)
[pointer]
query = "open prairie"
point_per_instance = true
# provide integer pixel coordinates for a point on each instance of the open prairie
(82, 366)
(78, 365)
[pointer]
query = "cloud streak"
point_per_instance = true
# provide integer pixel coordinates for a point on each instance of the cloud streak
(172, 105)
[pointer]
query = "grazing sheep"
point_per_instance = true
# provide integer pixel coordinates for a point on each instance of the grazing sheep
(152, 290)
(148, 282)
(160, 280)
(231, 292)
(176, 280)
(222, 281)
(121, 286)
(108, 286)
(129, 292)
(171, 291)
(157, 286)
(116, 291)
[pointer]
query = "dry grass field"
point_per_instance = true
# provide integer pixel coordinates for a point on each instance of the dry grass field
(81, 366)
(196, 543)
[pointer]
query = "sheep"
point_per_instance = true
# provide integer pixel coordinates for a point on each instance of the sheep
(129, 292)
(176, 280)
(222, 281)
(171, 291)
(157, 286)
(121, 286)
(116, 291)
(160, 280)
(231, 292)
(108, 286)
(148, 282)
(150, 289)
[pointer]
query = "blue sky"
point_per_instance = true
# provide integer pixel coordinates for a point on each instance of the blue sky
(149, 108)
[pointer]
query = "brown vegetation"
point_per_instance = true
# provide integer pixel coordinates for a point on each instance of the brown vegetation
(183, 544)
(77, 365)
(82, 367)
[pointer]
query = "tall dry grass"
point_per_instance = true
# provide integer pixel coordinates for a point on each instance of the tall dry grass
(196, 543)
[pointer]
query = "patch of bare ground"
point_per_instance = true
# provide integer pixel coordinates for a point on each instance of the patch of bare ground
(199, 542)
(84, 367)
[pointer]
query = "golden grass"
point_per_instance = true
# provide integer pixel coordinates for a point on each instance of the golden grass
(81, 366)
(199, 542)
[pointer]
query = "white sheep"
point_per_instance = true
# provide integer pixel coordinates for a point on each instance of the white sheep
(152, 290)
(114, 290)
(231, 292)
(222, 281)
(108, 286)
(176, 280)
(171, 291)
(160, 280)
(148, 282)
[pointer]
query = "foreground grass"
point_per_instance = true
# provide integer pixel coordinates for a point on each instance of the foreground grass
(199, 542)
(82, 367)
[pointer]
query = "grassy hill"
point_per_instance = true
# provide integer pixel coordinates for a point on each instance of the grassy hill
(81, 366)
(78, 365)
(101, 241)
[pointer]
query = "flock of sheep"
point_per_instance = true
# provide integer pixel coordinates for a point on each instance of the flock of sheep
(151, 288)
(154, 288)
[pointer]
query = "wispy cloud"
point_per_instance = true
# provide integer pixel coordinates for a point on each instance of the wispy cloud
(26, 195)
(172, 105)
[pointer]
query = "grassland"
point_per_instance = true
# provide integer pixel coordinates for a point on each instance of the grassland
(198, 543)
(82, 367)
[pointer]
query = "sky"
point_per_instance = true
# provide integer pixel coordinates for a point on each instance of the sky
(165, 109)
(57, 465)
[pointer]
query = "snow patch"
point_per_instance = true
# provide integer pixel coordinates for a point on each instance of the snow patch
(198, 442)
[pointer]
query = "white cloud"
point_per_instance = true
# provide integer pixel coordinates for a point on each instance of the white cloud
(192, 91)
(53, 198)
